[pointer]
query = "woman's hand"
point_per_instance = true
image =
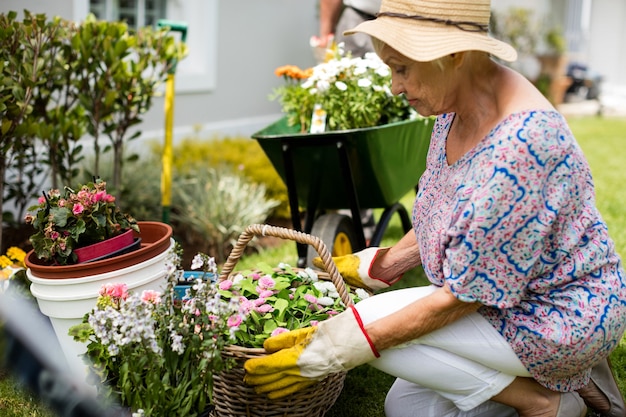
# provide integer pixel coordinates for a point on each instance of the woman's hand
(377, 268)
(301, 357)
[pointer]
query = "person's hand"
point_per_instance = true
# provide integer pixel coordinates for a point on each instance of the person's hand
(302, 357)
(356, 269)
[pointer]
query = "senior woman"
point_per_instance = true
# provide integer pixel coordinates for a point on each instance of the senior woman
(528, 296)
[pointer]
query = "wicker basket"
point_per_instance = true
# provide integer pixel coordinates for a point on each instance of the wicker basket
(232, 397)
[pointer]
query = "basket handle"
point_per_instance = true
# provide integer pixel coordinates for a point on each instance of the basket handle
(281, 232)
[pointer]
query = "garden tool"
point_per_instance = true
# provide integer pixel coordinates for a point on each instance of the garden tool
(167, 157)
(301, 357)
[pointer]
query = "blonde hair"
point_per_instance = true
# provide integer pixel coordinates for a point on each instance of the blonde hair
(439, 62)
(379, 45)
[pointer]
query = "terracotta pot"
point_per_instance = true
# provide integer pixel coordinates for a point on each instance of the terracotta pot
(155, 238)
(117, 245)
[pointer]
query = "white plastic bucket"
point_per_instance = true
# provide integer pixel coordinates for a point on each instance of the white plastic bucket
(66, 301)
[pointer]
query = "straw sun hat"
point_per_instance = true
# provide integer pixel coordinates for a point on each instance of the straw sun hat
(424, 30)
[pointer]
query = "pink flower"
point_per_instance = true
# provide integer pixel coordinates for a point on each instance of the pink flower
(234, 321)
(54, 235)
(314, 323)
(265, 308)
(255, 276)
(118, 290)
(310, 298)
(151, 296)
(41, 200)
(100, 195)
(225, 285)
(267, 282)
(77, 209)
(265, 293)
(259, 302)
(278, 331)
(246, 306)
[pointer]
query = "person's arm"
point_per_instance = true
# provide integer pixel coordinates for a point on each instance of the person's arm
(401, 257)
(330, 10)
(417, 319)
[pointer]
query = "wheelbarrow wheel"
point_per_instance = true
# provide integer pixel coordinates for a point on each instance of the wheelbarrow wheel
(338, 234)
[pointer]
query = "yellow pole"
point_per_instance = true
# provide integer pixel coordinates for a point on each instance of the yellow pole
(167, 157)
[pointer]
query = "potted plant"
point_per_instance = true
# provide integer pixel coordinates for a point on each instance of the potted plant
(154, 353)
(85, 219)
(340, 94)
(167, 353)
(80, 225)
(344, 142)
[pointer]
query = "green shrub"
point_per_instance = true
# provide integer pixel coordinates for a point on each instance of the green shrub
(140, 191)
(218, 205)
(242, 155)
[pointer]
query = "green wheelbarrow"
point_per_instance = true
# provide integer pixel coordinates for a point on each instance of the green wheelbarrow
(349, 169)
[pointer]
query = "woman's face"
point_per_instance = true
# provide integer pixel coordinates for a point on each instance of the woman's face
(428, 87)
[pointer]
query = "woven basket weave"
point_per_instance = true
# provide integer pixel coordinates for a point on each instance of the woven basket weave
(232, 397)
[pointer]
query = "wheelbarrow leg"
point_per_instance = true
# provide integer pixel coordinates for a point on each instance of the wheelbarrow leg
(292, 194)
(346, 171)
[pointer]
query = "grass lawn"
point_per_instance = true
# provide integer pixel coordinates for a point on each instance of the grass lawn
(602, 140)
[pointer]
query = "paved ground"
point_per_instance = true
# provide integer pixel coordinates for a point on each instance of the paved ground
(612, 103)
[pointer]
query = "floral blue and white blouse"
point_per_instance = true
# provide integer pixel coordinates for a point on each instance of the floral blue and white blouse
(513, 225)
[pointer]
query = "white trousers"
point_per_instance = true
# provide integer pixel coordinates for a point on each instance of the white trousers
(461, 365)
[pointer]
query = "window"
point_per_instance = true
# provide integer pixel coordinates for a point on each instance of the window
(136, 13)
(198, 71)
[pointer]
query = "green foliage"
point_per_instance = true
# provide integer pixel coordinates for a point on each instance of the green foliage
(18, 402)
(297, 299)
(517, 27)
(350, 92)
(140, 190)
(600, 138)
(151, 351)
(555, 41)
(77, 218)
(60, 80)
(118, 71)
(218, 205)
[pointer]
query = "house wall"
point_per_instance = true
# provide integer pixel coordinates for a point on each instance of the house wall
(607, 40)
(251, 39)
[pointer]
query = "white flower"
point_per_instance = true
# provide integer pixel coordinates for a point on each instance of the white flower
(361, 293)
(197, 262)
(322, 85)
(341, 85)
(325, 301)
(177, 343)
(364, 82)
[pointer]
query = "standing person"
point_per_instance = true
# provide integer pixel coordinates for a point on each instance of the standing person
(336, 16)
(528, 295)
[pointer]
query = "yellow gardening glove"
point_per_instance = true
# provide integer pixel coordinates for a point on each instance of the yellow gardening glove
(302, 357)
(355, 269)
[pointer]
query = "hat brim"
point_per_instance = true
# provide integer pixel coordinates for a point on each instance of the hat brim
(423, 41)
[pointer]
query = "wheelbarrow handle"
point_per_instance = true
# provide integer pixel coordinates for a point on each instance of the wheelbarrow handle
(281, 232)
(175, 26)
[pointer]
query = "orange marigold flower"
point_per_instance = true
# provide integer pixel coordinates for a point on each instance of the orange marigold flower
(293, 71)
